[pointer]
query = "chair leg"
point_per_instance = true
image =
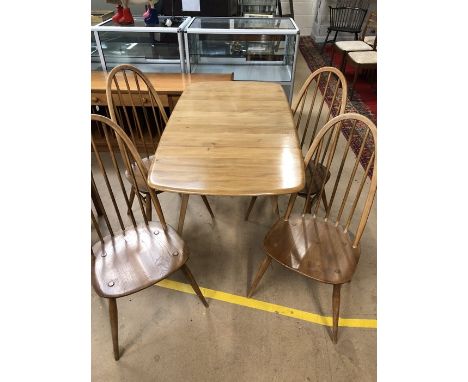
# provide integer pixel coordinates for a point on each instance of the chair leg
(207, 204)
(336, 311)
(183, 210)
(194, 284)
(309, 203)
(132, 198)
(356, 36)
(336, 34)
(356, 72)
(326, 40)
(343, 61)
(95, 200)
(324, 200)
(114, 321)
(261, 271)
(148, 207)
(251, 204)
(274, 204)
(332, 55)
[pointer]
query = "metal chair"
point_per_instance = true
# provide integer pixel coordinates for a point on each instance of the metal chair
(348, 16)
(131, 253)
(145, 120)
(324, 245)
(324, 87)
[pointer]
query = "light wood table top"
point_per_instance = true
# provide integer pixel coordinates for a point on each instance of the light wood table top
(164, 83)
(229, 138)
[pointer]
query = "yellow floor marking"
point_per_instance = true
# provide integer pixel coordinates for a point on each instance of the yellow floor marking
(269, 307)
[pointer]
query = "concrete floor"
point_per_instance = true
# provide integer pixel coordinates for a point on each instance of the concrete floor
(167, 335)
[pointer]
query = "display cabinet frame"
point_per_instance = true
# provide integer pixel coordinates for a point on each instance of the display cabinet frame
(108, 26)
(294, 30)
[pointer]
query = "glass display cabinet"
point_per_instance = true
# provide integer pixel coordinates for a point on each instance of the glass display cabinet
(95, 59)
(263, 7)
(156, 48)
(254, 49)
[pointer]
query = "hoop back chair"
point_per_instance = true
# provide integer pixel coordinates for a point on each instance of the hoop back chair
(131, 252)
(325, 245)
(347, 16)
(145, 119)
(322, 97)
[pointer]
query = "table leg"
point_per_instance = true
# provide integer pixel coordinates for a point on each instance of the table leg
(170, 101)
(183, 209)
(274, 203)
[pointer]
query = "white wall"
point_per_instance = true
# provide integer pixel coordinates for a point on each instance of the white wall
(303, 14)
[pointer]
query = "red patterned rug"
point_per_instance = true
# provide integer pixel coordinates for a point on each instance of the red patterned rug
(364, 99)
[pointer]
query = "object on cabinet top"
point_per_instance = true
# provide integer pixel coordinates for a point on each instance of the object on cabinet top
(238, 23)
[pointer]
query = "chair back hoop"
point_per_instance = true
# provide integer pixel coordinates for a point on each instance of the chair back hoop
(347, 18)
(361, 130)
(326, 90)
(143, 116)
(128, 154)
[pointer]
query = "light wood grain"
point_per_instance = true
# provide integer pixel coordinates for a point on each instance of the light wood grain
(229, 138)
(164, 83)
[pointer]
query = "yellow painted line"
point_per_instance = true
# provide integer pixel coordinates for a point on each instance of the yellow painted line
(269, 307)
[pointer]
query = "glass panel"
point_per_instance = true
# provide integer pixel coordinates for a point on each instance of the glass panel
(249, 57)
(242, 23)
(264, 7)
(158, 50)
(140, 22)
(95, 60)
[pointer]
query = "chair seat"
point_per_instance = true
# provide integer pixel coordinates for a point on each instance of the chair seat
(136, 259)
(313, 247)
(369, 40)
(364, 58)
(314, 178)
(141, 183)
(351, 46)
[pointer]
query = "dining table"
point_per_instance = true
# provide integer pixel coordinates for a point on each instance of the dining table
(229, 138)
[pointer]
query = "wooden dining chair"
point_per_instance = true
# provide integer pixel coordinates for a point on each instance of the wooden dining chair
(145, 120)
(131, 252)
(322, 97)
(365, 43)
(346, 16)
(324, 245)
(361, 60)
